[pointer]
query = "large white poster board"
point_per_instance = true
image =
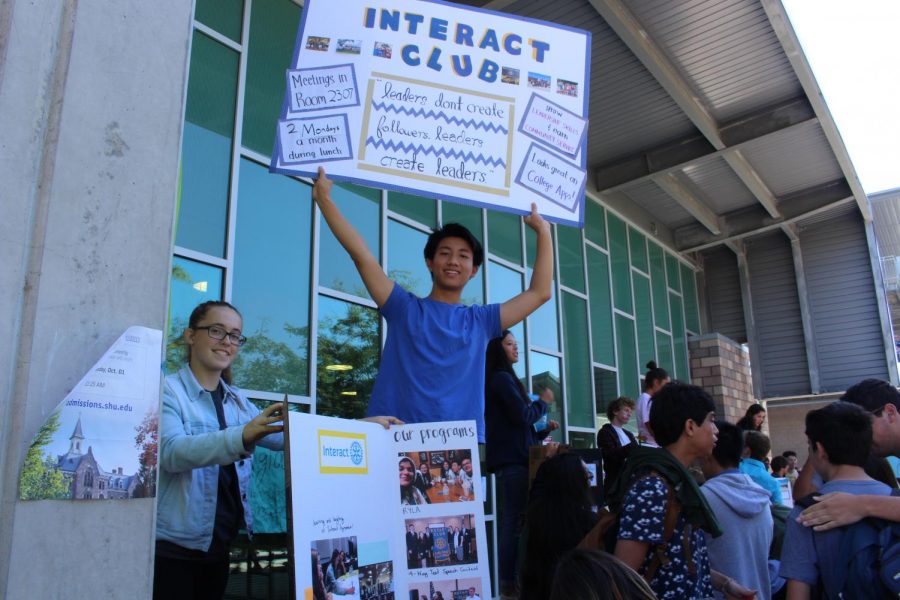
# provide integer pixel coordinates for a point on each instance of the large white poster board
(355, 490)
(451, 102)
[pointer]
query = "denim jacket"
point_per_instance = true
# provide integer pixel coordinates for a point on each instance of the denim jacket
(191, 448)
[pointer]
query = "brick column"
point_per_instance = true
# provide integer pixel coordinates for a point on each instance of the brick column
(722, 367)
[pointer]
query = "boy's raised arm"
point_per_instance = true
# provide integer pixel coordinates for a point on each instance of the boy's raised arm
(374, 278)
(539, 290)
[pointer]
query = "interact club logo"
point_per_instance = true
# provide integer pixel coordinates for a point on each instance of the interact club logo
(342, 453)
(356, 453)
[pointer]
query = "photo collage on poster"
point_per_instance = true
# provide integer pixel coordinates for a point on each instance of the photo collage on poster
(431, 540)
(439, 493)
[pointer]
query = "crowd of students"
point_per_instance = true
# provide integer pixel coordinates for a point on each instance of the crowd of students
(661, 535)
(724, 532)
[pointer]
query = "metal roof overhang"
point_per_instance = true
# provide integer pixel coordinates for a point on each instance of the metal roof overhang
(706, 123)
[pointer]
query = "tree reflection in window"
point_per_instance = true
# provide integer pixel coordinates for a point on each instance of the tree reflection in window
(348, 358)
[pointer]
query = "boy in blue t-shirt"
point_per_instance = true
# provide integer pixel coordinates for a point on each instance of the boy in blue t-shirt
(432, 365)
(756, 447)
(840, 436)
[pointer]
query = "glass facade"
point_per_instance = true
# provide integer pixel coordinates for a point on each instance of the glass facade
(257, 240)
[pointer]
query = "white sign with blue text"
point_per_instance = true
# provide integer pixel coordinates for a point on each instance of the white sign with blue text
(441, 100)
(386, 513)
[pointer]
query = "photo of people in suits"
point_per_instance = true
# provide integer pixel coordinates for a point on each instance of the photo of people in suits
(440, 541)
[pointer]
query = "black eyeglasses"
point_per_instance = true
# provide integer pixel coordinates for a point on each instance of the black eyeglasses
(217, 332)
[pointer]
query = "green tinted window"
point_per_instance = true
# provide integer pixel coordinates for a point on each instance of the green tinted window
(362, 207)
(621, 271)
(467, 216)
(658, 285)
(691, 310)
(505, 236)
(571, 257)
(664, 358)
(193, 283)
(601, 308)
(579, 399)
(206, 147)
(416, 208)
(606, 390)
(474, 290)
(678, 338)
(506, 283)
(406, 264)
(643, 319)
(638, 247)
(672, 272)
(542, 323)
(271, 280)
(223, 16)
(273, 30)
(545, 373)
(595, 223)
(627, 348)
(348, 337)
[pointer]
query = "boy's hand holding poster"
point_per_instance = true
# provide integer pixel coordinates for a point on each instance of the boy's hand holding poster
(386, 514)
(454, 102)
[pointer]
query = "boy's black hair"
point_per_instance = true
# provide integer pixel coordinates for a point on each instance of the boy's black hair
(729, 445)
(673, 405)
(759, 443)
(458, 231)
(872, 395)
(779, 462)
(788, 453)
(844, 430)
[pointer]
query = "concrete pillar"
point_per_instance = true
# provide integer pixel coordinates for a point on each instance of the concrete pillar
(91, 104)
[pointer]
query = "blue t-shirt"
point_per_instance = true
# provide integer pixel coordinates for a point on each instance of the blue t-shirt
(803, 558)
(758, 473)
(432, 367)
(642, 519)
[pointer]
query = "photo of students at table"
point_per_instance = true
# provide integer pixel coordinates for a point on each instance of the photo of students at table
(436, 477)
(441, 541)
(334, 568)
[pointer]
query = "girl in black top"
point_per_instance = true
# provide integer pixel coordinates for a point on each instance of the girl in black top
(510, 416)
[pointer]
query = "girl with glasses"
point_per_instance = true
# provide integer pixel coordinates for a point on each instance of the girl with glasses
(208, 431)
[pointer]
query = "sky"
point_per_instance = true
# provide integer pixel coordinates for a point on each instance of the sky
(853, 47)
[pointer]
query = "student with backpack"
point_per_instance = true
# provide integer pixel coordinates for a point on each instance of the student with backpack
(742, 508)
(662, 513)
(839, 563)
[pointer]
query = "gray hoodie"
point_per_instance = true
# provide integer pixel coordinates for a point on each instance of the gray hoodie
(742, 552)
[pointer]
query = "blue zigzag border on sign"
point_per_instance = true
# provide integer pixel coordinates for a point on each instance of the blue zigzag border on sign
(421, 112)
(403, 147)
